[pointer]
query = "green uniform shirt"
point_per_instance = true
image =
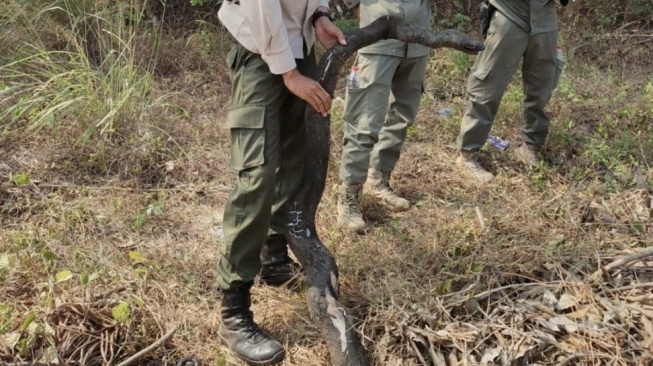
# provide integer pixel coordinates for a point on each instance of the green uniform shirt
(533, 16)
(417, 13)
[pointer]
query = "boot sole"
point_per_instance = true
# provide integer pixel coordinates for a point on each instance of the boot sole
(466, 170)
(278, 357)
(397, 209)
(344, 226)
(370, 192)
(340, 223)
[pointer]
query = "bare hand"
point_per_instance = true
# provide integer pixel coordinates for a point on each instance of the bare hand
(309, 90)
(327, 33)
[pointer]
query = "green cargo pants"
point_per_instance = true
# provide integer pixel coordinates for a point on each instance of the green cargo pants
(379, 112)
(267, 140)
(506, 45)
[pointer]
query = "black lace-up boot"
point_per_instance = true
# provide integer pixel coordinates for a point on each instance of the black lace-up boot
(277, 268)
(242, 334)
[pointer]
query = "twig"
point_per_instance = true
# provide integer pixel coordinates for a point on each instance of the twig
(131, 360)
(640, 42)
(630, 287)
(644, 299)
(495, 290)
(480, 217)
(515, 285)
(644, 312)
(416, 349)
(618, 35)
(626, 26)
(177, 188)
(594, 39)
(576, 356)
(108, 293)
(463, 291)
(621, 262)
(542, 308)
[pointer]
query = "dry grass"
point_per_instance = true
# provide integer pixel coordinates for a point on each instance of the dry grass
(502, 274)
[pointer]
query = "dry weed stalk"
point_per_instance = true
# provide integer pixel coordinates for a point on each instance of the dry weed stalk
(576, 320)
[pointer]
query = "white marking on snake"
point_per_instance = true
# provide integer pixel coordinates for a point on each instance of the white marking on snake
(296, 222)
(337, 318)
(327, 66)
(334, 282)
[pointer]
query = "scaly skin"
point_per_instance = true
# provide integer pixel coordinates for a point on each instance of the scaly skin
(321, 269)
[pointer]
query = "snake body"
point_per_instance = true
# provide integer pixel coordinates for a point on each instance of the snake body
(321, 270)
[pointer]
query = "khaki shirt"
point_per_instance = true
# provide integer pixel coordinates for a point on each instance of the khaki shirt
(417, 13)
(533, 16)
(275, 29)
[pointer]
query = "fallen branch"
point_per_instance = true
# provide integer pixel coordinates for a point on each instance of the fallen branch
(621, 262)
(629, 259)
(332, 317)
(489, 292)
(634, 286)
(641, 310)
(138, 355)
(595, 39)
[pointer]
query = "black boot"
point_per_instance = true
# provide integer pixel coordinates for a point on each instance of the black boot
(244, 336)
(277, 268)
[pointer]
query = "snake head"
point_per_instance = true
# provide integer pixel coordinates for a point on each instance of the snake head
(461, 41)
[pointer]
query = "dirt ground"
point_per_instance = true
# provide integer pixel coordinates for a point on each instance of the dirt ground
(96, 266)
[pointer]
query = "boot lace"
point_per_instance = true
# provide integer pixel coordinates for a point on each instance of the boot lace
(384, 184)
(249, 327)
(353, 204)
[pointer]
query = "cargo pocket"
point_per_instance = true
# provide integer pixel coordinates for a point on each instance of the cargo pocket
(356, 107)
(247, 137)
(481, 74)
(232, 57)
(474, 84)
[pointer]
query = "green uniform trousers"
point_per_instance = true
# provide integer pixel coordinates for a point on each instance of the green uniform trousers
(379, 112)
(506, 45)
(267, 142)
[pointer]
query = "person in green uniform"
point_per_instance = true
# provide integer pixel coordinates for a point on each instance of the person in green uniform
(270, 89)
(520, 30)
(382, 100)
